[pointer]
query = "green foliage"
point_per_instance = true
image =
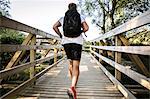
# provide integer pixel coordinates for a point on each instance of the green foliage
(108, 14)
(8, 36)
(141, 38)
(87, 43)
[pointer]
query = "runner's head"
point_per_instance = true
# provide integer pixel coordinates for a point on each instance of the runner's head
(72, 6)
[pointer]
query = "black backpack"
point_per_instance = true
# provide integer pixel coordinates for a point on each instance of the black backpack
(72, 24)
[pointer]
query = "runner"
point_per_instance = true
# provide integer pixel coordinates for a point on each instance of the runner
(73, 25)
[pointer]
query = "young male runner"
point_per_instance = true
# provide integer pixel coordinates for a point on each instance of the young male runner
(72, 45)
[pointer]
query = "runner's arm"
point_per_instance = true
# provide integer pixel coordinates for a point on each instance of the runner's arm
(85, 26)
(56, 29)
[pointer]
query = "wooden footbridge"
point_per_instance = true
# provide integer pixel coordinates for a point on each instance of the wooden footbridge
(101, 76)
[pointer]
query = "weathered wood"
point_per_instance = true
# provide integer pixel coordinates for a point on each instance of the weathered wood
(12, 24)
(55, 83)
(16, 56)
(100, 60)
(117, 58)
(19, 68)
(55, 55)
(135, 58)
(143, 80)
(136, 22)
(143, 50)
(12, 48)
(32, 56)
(122, 89)
(27, 83)
(46, 52)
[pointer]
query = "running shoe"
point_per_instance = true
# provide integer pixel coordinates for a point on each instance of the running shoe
(72, 93)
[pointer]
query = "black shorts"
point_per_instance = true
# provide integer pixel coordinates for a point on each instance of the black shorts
(73, 51)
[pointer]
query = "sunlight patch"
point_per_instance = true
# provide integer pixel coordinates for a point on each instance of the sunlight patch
(83, 68)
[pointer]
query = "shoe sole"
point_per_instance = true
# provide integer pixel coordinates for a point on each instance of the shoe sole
(70, 94)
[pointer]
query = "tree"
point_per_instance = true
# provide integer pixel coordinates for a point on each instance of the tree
(135, 8)
(108, 14)
(8, 36)
(4, 8)
(96, 11)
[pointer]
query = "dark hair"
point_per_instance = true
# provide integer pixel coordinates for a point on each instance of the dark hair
(72, 6)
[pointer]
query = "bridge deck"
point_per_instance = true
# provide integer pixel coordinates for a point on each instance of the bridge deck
(93, 83)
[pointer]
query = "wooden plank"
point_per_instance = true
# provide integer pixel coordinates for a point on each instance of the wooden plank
(99, 94)
(32, 57)
(46, 52)
(143, 50)
(89, 86)
(136, 22)
(135, 58)
(18, 54)
(55, 55)
(100, 51)
(12, 48)
(28, 83)
(12, 24)
(144, 81)
(122, 89)
(117, 58)
(19, 68)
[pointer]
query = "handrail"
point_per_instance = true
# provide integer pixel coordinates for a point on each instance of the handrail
(29, 82)
(144, 81)
(12, 48)
(28, 44)
(19, 68)
(136, 22)
(122, 89)
(143, 50)
(12, 24)
(97, 48)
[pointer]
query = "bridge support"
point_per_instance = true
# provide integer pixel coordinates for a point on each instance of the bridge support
(55, 55)
(135, 59)
(32, 56)
(117, 58)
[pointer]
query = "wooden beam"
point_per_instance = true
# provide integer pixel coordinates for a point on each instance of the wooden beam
(14, 92)
(127, 94)
(100, 44)
(32, 56)
(135, 58)
(142, 50)
(46, 52)
(19, 68)
(143, 80)
(16, 56)
(117, 58)
(136, 22)
(12, 24)
(55, 55)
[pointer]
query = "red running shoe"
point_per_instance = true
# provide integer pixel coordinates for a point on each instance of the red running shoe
(72, 93)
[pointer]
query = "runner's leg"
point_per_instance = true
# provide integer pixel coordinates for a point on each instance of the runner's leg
(70, 68)
(75, 72)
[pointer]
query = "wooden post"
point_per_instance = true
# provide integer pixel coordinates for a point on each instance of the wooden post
(63, 52)
(117, 58)
(32, 56)
(55, 55)
(18, 55)
(94, 49)
(134, 58)
(100, 60)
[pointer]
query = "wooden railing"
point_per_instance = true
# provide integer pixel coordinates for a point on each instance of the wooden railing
(122, 46)
(28, 44)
